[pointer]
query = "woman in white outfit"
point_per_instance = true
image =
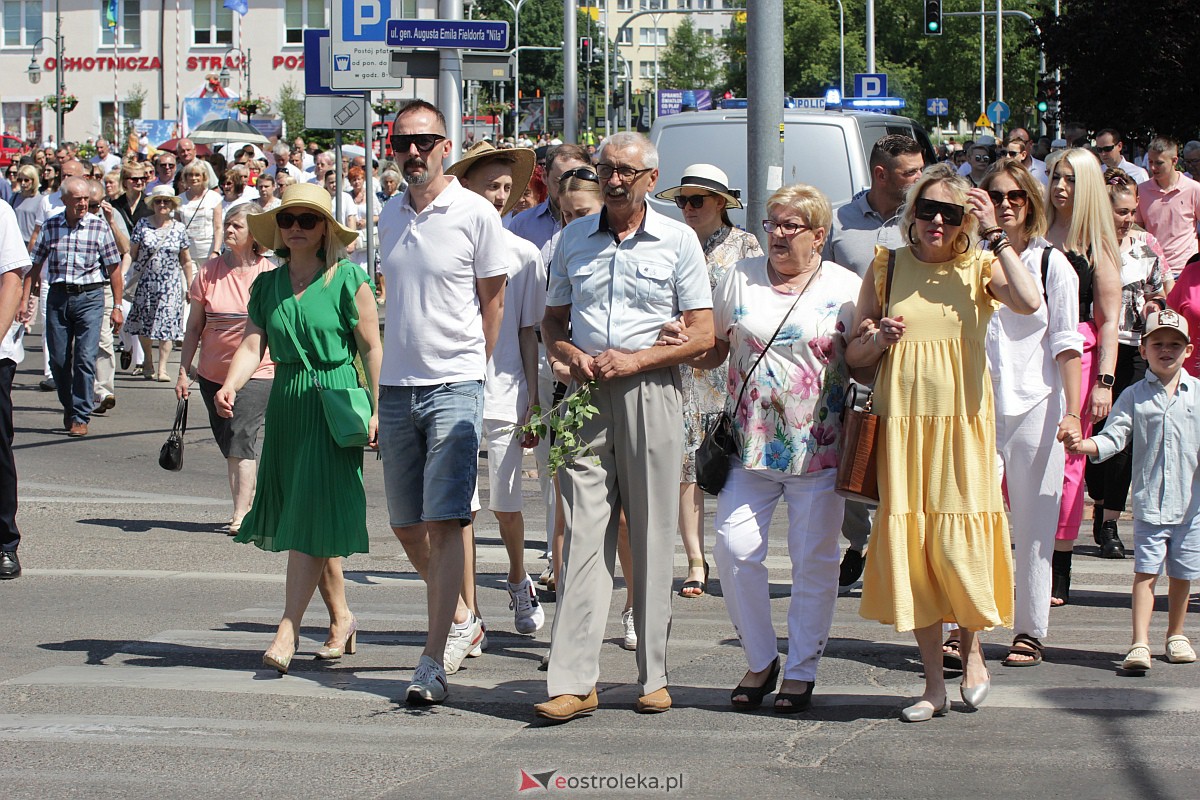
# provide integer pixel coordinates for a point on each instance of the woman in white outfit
(200, 212)
(1035, 364)
(788, 420)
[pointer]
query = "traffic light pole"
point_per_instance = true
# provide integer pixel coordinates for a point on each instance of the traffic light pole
(570, 132)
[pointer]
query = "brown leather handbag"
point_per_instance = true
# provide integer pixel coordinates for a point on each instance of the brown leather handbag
(857, 475)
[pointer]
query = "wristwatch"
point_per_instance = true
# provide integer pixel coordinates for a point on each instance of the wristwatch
(1107, 381)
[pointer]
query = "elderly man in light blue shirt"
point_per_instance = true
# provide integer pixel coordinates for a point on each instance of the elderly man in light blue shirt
(617, 277)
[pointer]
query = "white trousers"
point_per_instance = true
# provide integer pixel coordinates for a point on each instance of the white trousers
(541, 453)
(743, 519)
(106, 363)
(1032, 461)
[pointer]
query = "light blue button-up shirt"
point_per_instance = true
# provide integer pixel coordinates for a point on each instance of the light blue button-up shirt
(621, 293)
(1166, 447)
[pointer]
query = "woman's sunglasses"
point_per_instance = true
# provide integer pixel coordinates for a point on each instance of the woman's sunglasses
(926, 209)
(1017, 198)
(583, 173)
(286, 219)
(696, 201)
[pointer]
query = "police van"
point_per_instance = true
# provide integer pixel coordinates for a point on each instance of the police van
(826, 149)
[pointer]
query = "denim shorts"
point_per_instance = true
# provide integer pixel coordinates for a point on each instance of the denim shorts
(429, 440)
(1176, 545)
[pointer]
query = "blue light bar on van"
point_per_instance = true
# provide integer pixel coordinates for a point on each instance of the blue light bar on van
(871, 103)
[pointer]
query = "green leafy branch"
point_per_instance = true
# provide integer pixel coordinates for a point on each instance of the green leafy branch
(565, 419)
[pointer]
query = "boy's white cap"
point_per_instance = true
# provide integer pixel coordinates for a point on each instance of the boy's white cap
(1166, 320)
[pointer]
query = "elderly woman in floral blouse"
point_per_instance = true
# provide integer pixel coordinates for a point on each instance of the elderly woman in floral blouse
(788, 420)
(704, 197)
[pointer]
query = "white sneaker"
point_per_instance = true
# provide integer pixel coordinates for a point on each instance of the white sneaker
(630, 642)
(528, 616)
(483, 642)
(461, 641)
(428, 684)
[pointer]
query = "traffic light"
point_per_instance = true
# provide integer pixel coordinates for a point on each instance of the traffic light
(933, 17)
(585, 49)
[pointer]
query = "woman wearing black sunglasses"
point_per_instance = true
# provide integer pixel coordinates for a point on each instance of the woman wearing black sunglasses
(939, 544)
(704, 197)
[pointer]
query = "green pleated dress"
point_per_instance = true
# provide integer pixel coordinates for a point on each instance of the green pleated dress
(309, 495)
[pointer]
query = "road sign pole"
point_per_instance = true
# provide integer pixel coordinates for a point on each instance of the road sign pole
(450, 82)
(570, 131)
(368, 223)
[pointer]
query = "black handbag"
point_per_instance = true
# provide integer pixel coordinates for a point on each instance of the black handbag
(721, 440)
(171, 455)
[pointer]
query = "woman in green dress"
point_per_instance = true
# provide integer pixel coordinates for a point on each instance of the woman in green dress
(309, 499)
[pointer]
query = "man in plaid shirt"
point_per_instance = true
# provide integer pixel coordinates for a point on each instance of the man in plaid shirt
(80, 256)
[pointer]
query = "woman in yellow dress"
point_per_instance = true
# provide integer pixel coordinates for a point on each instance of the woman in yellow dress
(939, 547)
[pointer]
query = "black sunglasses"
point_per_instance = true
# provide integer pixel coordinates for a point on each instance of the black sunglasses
(286, 219)
(93, 206)
(926, 209)
(1017, 198)
(583, 173)
(425, 142)
(696, 201)
(982, 158)
(1108, 148)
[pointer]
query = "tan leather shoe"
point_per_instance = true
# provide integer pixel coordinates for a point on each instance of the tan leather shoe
(656, 702)
(77, 429)
(567, 706)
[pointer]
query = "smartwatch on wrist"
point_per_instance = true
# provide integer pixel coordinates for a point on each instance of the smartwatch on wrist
(1107, 381)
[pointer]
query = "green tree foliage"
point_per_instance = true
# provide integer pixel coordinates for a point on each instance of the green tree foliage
(541, 26)
(690, 60)
(1127, 66)
(917, 66)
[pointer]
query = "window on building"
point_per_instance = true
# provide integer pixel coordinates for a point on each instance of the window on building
(301, 15)
(112, 129)
(653, 5)
(648, 37)
(129, 25)
(212, 23)
(624, 36)
(22, 22)
(624, 5)
(646, 69)
(702, 5)
(707, 33)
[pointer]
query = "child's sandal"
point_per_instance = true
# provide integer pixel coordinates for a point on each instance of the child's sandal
(1138, 659)
(1179, 650)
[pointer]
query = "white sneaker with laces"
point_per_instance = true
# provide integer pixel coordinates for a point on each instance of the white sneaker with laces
(528, 616)
(428, 684)
(461, 641)
(630, 642)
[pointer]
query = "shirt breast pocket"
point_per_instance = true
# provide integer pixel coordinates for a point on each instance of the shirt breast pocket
(581, 276)
(655, 287)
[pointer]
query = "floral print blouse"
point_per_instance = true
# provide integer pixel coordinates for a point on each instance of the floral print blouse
(789, 417)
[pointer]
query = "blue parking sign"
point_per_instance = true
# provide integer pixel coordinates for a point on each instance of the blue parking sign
(365, 20)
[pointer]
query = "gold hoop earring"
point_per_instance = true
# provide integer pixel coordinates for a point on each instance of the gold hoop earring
(966, 243)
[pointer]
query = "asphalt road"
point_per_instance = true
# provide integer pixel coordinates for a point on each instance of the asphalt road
(130, 667)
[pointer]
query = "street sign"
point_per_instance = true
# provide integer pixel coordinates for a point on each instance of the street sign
(316, 62)
(983, 122)
(998, 112)
(448, 33)
(937, 106)
(870, 84)
(335, 113)
(359, 55)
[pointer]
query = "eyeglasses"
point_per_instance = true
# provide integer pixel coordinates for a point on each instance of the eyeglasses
(626, 174)
(783, 228)
(93, 206)
(286, 219)
(164, 202)
(25, 180)
(425, 142)
(1108, 148)
(136, 179)
(1015, 153)
(583, 173)
(696, 201)
(1017, 198)
(981, 158)
(164, 166)
(926, 209)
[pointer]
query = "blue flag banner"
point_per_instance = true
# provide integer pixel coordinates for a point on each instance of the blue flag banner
(240, 6)
(110, 13)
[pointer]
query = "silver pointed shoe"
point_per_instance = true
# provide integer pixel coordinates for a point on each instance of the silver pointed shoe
(920, 713)
(975, 695)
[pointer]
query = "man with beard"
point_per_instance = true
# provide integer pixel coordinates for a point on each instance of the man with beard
(617, 277)
(446, 262)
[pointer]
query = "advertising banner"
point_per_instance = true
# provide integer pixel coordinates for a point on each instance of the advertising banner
(673, 101)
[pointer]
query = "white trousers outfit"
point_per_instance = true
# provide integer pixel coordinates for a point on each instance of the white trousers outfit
(743, 518)
(541, 453)
(106, 363)
(637, 447)
(1033, 461)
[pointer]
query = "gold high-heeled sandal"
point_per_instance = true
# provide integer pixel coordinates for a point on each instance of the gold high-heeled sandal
(348, 646)
(280, 664)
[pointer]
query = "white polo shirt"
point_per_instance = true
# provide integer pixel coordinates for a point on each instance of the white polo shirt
(505, 391)
(431, 260)
(13, 257)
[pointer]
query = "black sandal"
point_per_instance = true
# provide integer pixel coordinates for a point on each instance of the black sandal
(952, 658)
(755, 694)
(701, 585)
(1060, 583)
(799, 702)
(1024, 645)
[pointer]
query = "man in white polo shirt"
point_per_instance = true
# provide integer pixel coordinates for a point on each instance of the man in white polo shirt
(445, 261)
(1111, 151)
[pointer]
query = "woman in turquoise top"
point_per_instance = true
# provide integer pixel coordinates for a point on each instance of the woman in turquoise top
(309, 498)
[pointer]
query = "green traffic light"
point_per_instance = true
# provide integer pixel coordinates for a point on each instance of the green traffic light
(1042, 106)
(933, 26)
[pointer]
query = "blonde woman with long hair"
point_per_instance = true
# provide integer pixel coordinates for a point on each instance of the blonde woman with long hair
(1080, 222)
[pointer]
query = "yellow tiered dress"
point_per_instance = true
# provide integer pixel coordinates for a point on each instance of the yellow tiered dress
(939, 548)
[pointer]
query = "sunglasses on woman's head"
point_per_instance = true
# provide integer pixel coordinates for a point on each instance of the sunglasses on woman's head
(926, 209)
(286, 219)
(1017, 198)
(696, 201)
(583, 173)
(425, 142)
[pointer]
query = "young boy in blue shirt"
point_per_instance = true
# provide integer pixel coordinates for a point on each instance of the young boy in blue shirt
(1161, 415)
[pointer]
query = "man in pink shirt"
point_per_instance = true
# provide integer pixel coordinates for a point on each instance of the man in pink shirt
(1169, 204)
